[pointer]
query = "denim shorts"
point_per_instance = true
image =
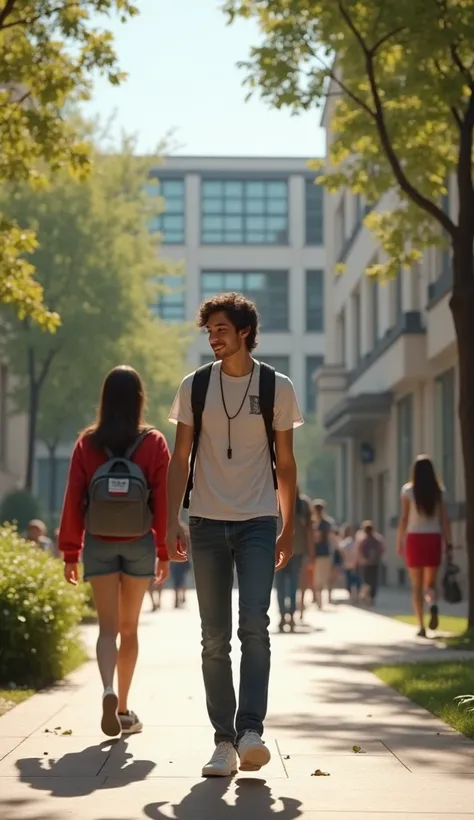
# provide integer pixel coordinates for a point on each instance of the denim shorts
(136, 558)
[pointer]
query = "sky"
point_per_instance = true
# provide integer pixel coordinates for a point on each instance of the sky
(181, 59)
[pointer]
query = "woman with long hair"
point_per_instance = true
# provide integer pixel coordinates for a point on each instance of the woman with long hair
(423, 526)
(118, 566)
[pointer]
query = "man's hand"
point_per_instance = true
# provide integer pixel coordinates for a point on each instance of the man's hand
(177, 543)
(283, 549)
(162, 572)
(71, 574)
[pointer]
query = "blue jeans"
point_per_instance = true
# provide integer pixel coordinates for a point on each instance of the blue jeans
(286, 585)
(352, 580)
(216, 547)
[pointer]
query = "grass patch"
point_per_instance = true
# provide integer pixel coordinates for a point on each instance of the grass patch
(434, 687)
(447, 623)
(11, 697)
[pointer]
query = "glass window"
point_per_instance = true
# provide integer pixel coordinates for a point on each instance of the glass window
(280, 363)
(315, 300)
(445, 421)
(314, 212)
(171, 222)
(45, 487)
(404, 439)
(171, 304)
(374, 293)
(312, 364)
(268, 289)
(244, 212)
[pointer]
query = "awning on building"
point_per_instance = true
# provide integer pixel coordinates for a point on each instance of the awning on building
(356, 416)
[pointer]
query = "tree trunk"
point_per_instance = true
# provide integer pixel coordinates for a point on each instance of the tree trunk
(33, 407)
(462, 309)
(53, 478)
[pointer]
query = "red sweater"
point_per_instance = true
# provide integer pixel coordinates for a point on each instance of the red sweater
(152, 456)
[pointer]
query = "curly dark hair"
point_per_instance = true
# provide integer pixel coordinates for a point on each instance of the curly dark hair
(242, 312)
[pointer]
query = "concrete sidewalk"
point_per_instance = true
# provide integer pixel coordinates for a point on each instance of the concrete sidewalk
(324, 700)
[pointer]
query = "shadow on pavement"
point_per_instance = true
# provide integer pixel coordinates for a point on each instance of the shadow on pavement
(77, 774)
(206, 801)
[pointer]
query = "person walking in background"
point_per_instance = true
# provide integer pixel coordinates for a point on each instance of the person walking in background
(234, 418)
(424, 525)
(348, 549)
(115, 508)
(336, 560)
(36, 532)
(370, 550)
(287, 580)
(323, 531)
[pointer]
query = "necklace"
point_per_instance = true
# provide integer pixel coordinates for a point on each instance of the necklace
(231, 418)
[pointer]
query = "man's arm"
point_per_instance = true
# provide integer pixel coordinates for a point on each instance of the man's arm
(286, 475)
(178, 471)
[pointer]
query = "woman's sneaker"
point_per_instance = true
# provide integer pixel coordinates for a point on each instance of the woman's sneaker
(434, 620)
(110, 723)
(223, 762)
(130, 723)
(252, 752)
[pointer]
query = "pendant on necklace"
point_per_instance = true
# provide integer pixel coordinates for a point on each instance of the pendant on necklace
(229, 452)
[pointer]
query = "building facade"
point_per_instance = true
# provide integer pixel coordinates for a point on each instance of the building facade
(389, 387)
(13, 437)
(253, 225)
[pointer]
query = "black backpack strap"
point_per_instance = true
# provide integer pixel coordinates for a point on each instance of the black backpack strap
(199, 389)
(267, 404)
(134, 447)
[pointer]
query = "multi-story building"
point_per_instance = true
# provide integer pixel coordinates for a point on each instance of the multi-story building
(253, 225)
(389, 386)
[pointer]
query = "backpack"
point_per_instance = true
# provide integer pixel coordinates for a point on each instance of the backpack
(199, 389)
(118, 497)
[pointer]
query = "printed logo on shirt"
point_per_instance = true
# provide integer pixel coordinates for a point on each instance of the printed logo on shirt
(254, 405)
(119, 486)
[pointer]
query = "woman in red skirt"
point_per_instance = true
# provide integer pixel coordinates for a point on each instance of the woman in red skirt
(423, 527)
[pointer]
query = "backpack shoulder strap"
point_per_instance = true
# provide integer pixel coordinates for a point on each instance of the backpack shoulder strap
(267, 406)
(134, 447)
(199, 390)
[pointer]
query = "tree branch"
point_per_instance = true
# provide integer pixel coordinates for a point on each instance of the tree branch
(330, 73)
(6, 11)
(29, 20)
(404, 183)
(373, 49)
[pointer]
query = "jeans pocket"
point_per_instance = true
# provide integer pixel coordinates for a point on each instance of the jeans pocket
(195, 522)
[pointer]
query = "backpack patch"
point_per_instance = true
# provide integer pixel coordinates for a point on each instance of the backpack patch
(254, 405)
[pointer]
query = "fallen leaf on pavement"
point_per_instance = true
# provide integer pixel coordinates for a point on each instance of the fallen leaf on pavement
(319, 773)
(67, 732)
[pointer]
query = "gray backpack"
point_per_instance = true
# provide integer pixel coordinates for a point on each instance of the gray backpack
(118, 498)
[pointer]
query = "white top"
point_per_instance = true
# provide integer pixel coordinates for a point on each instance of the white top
(241, 487)
(419, 522)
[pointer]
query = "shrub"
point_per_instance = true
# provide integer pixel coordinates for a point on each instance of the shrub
(20, 506)
(39, 615)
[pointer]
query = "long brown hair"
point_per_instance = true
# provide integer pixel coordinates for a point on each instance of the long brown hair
(120, 413)
(427, 490)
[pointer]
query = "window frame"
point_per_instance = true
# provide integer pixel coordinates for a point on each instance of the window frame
(224, 234)
(268, 273)
(310, 275)
(314, 225)
(159, 220)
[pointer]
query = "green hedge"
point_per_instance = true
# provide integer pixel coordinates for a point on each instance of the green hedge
(39, 615)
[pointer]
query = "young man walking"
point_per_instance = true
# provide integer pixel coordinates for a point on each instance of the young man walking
(232, 418)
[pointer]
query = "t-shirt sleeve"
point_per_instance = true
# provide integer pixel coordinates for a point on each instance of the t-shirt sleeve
(287, 413)
(181, 410)
(406, 491)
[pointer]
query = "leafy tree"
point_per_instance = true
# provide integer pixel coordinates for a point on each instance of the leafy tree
(49, 51)
(96, 260)
(316, 463)
(402, 75)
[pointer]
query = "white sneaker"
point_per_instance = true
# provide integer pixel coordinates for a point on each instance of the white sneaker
(110, 724)
(223, 762)
(252, 752)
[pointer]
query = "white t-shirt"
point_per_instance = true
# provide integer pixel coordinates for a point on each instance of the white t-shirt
(241, 487)
(418, 521)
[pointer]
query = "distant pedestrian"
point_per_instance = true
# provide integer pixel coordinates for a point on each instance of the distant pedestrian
(115, 504)
(287, 580)
(423, 527)
(323, 528)
(36, 532)
(348, 549)
(370, 550)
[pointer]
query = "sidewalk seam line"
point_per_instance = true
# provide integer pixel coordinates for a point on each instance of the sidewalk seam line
(281, 758)
(396, 757)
